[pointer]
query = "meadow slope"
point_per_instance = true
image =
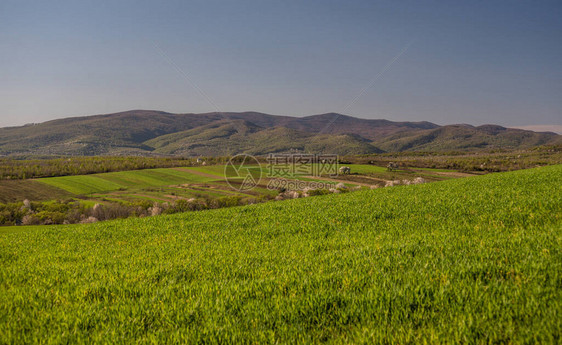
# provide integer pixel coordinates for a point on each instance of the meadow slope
(474, 260)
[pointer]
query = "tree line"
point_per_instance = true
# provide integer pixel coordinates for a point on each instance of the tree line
(16, 169)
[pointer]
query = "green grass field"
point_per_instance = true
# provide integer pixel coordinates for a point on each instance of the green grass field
(70, 199)
(88, 184)
(475, 260)
(127, 186)
(365, 168)
(154, 185)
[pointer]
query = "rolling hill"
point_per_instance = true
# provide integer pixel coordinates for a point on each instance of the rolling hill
(147, 132)
(459, 261)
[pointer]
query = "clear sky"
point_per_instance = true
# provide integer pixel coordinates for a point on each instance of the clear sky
(443, 61)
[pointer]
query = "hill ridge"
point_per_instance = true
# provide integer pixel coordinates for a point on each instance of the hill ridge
(142, 132)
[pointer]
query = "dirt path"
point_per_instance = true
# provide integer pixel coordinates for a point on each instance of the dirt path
(117, 195)
(452, 173)
(150, 196)
(338, 181)
(374, 178)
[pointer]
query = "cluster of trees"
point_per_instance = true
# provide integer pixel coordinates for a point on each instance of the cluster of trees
(32, 168)
(493, 161)
(72, 211)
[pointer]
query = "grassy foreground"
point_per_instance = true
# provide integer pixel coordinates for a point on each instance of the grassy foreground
(475, 260)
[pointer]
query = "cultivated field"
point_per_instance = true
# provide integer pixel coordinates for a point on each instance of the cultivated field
(89, 184)
(472, 260)
(128, 185)
(71, 199)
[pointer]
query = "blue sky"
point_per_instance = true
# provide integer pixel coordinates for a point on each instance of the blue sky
(462, 62)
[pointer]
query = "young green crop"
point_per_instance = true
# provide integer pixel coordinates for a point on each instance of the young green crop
(475, 260)
(87, 184)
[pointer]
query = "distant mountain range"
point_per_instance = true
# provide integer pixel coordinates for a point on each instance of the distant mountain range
(146, 132)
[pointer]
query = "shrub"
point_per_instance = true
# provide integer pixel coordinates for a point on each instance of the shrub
(227, 201)
(314, 192)
(111, 211)
(155, 210)
(49, 217)
(30, 219)
(182, 205)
